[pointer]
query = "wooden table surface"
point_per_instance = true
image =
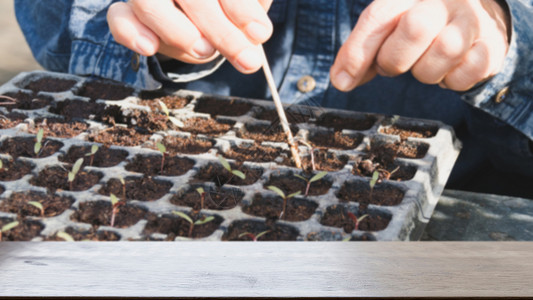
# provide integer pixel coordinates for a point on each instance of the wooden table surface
(266, 269)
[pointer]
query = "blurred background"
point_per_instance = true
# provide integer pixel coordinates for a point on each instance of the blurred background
(15, 55)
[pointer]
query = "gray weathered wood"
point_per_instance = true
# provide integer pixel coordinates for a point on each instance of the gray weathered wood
(273, 269)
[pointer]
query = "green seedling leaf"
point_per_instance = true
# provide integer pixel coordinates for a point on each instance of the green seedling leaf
(9, 226)
(205, 220)
(65, 236)
(239, 174)
(40, 135)
(164, 107)
(347, 239)
(1, 164)
(77, 165)
(294, 194)
(161, 148)
(94, 149)
(184, 216)
(261, 234)
(224, 163)
(200, 191)
(361, 218)
(375, 177)
(121, 180)
(277, 191)
(38, 205)
(37, 147)
(71, 176)
(318, 176)
(114, 199)
(301, 177)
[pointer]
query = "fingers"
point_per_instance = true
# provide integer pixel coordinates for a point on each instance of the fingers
(359, 51)
(239, 48)
(129, 31)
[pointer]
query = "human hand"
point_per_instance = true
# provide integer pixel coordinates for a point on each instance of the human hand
(193, 31)
(455, 44)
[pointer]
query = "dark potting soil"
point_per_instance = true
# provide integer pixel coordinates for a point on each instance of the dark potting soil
(50, 84)
(206, 126)
(14, 170)
(215, 173)
(72, 109)
(23, 101)
(262, 132)
(53, 205)
(359, 191)
(217, 198)
(173, 225)
(87, 235)
(171, 102)
(271, 208)
(337, 216)
(406, 131)
(104, 90)
(412, 150)
(179, 145)
(11, 119)
(292, 117)
(149, 122)
(59, 128)
(103, 158)
(120, 136)
(254, 152)
(335, 140)
(275, 231)
(24, 146)
(56, 178)
(137, 188)
(291, 184)
(218, 107)
(25, 231)
(151, 165)
(323, 160)
(100, 212)
(337, 122)
(2, 189)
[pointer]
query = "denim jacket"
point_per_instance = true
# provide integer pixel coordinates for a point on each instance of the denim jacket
(494, 120)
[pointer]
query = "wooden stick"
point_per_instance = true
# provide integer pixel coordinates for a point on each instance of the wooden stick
(279, 108)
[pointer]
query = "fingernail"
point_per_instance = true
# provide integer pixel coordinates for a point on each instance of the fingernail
(145, 46)
(248, 60)
(257, 31)
(343, 81)
(202, 48)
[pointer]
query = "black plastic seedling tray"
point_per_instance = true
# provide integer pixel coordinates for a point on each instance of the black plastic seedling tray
(128, 124)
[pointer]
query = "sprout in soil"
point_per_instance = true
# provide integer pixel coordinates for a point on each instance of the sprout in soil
(311, 153)
(38, 142)
(115, 203)
(163, 151)
(94, 149)
(284, 197)
(2, 168)
(202, 193)
(227, 166)
(173, 120)
(8, 227)
(192, 223)
(356, 221)
(317, 177)
(254, 237)
(65, 236)
(38, 205)
(72, 174)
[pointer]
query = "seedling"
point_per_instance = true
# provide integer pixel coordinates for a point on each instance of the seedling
(10, 101)
(65, 236)
(94, 149)
(163, 151)
(8, 227)
(202, 193)
(284, 197)
(2, 168)
(311, 153)
(356, 221)
(227, 166)
(38, 205)
(173, 120)
(317, 177)
(38, 142)
(72, 174)
(254, 237)
(115, 203)
(193, 223)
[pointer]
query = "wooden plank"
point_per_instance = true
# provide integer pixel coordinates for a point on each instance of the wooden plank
(266, 269)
